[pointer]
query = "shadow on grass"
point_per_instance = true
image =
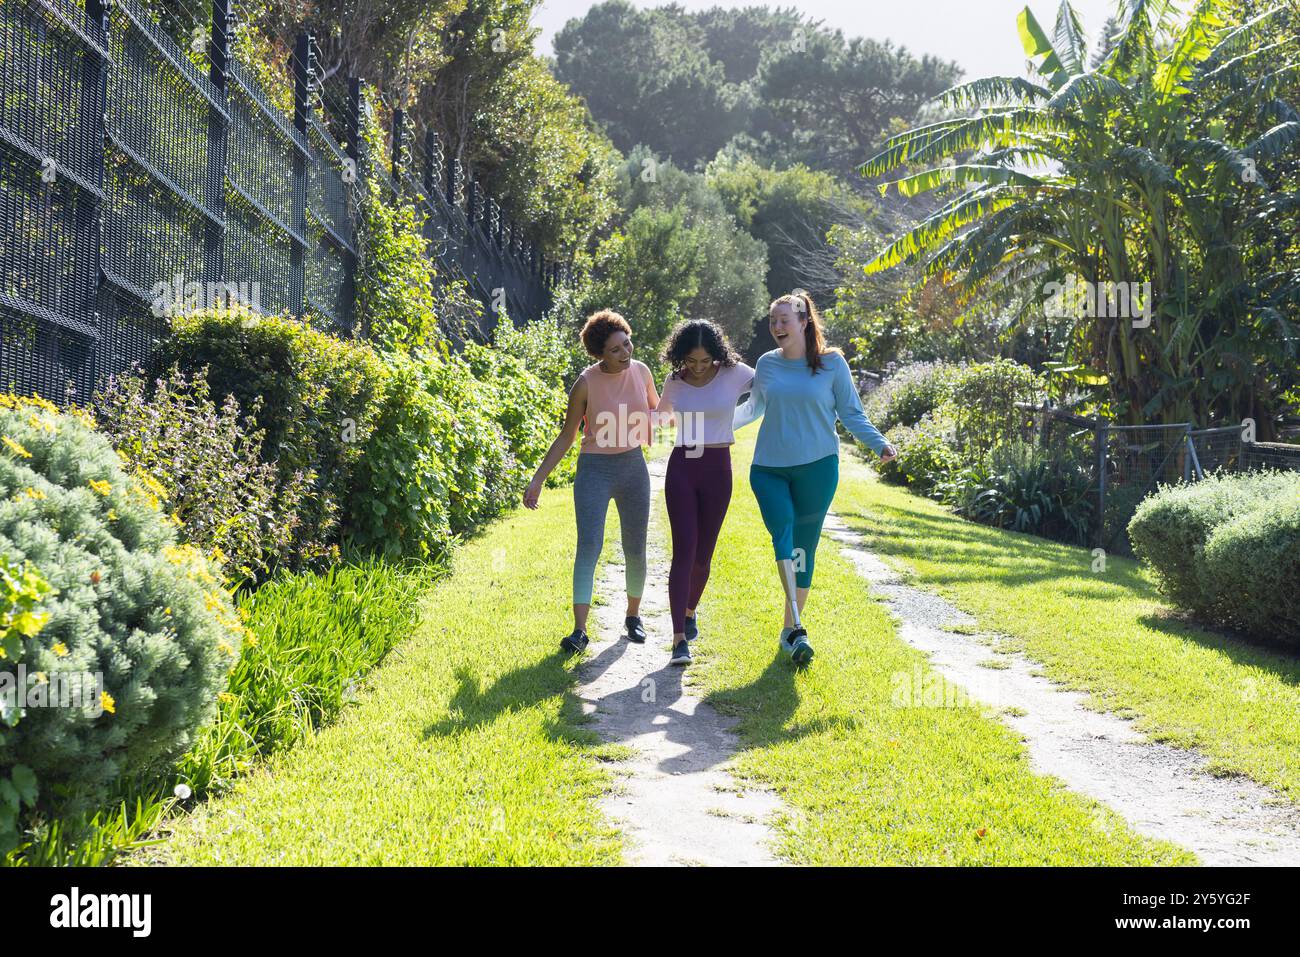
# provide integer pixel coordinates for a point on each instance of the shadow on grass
(767, 705)
(473, 706)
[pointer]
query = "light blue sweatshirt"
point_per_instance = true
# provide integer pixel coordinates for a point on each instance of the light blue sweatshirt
(799, 409)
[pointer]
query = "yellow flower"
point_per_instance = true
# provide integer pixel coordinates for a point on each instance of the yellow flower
(60, 649)
(225, 648)
(226, 697)
(151, 483)
(112, 515)
(167, 610)
(34, 493)
(100, 486)
(218, 555)
(16, 448)
(107, 703)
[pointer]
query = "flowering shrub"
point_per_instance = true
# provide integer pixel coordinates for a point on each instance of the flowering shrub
(312, 396)
(910, 393)
(137, 634)
(230, 503)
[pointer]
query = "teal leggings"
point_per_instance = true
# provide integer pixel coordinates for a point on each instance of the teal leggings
(794, 502)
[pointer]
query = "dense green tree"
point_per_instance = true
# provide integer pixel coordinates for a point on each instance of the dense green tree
(791, 211)
(646, 76)
(826, 100)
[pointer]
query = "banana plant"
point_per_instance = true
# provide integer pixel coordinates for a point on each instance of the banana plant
(1169, 156)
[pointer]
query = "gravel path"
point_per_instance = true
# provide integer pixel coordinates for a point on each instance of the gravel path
(1162, 791)
(677, 803)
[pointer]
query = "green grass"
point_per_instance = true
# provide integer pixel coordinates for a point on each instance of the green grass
(464, 747)
(865, 781)
(1107, 633)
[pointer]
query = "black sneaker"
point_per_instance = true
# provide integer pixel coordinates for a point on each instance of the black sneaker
(692, 629)
(574, 643)
(801, 651)
(681, 654)
(635, 630)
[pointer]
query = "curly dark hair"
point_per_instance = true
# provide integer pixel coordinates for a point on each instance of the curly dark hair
(599, 327)
(691, 334)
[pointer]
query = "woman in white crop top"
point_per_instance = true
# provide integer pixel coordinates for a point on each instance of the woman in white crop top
(707, 381)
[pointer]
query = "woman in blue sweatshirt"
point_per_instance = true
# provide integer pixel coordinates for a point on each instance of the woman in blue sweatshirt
(800, 389)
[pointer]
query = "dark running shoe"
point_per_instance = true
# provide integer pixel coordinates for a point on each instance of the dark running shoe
(692, 629)
(681, 654)
(635, 630)
(801, 651)
(574, 643)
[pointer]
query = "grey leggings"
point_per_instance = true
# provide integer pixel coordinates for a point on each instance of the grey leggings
(622, 476)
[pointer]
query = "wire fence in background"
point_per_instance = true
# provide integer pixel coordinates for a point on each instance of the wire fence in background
(134, 183)
(1129, 462)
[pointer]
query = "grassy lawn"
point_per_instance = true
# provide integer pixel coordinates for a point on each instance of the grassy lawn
(867, 782)
(1106, 633)
(464, 747)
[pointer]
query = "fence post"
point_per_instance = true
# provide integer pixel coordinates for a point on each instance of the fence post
(453, 180)
(352, 133)
(84, 363)
(302, 76)
(432, 154)
(214, 252)
(1103, 443)
(399, 147)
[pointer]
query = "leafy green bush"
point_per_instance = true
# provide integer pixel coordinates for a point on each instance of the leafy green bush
(230, 503)
(1252, 566)
(911, 392)
(982, 401)
(925, 454)
(401, 501)
(128, 607)
(1025, 489)
(1171, 531)
(22, 590)
(546, 348)
(312, 395)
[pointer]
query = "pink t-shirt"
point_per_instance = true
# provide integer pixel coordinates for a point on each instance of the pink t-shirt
(617, 418)
(704, 412)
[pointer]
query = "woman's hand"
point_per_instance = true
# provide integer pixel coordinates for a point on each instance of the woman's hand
(533, 492)
(888, 454)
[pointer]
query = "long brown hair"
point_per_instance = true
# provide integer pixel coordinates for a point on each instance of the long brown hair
(814, 337)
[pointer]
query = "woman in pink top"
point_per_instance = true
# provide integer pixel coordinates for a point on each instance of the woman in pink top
(611, 402)
(701, 394)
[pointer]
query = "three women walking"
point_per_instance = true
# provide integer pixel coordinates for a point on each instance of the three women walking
(799, 390)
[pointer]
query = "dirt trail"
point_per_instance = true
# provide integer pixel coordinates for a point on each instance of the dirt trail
(1161, 791)
(676, 802)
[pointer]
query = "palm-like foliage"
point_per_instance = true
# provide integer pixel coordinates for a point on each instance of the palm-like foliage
(1175, 161)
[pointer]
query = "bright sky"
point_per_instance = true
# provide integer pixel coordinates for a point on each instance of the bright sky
(979, 34)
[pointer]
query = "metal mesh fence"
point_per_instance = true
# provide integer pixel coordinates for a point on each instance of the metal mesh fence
(1127, 463)
(140, 175)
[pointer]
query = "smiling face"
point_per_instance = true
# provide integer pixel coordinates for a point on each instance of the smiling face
(698, 364)
(617, 354)
(787, 327)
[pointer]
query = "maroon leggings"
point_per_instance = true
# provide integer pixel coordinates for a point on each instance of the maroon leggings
(698, 491)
